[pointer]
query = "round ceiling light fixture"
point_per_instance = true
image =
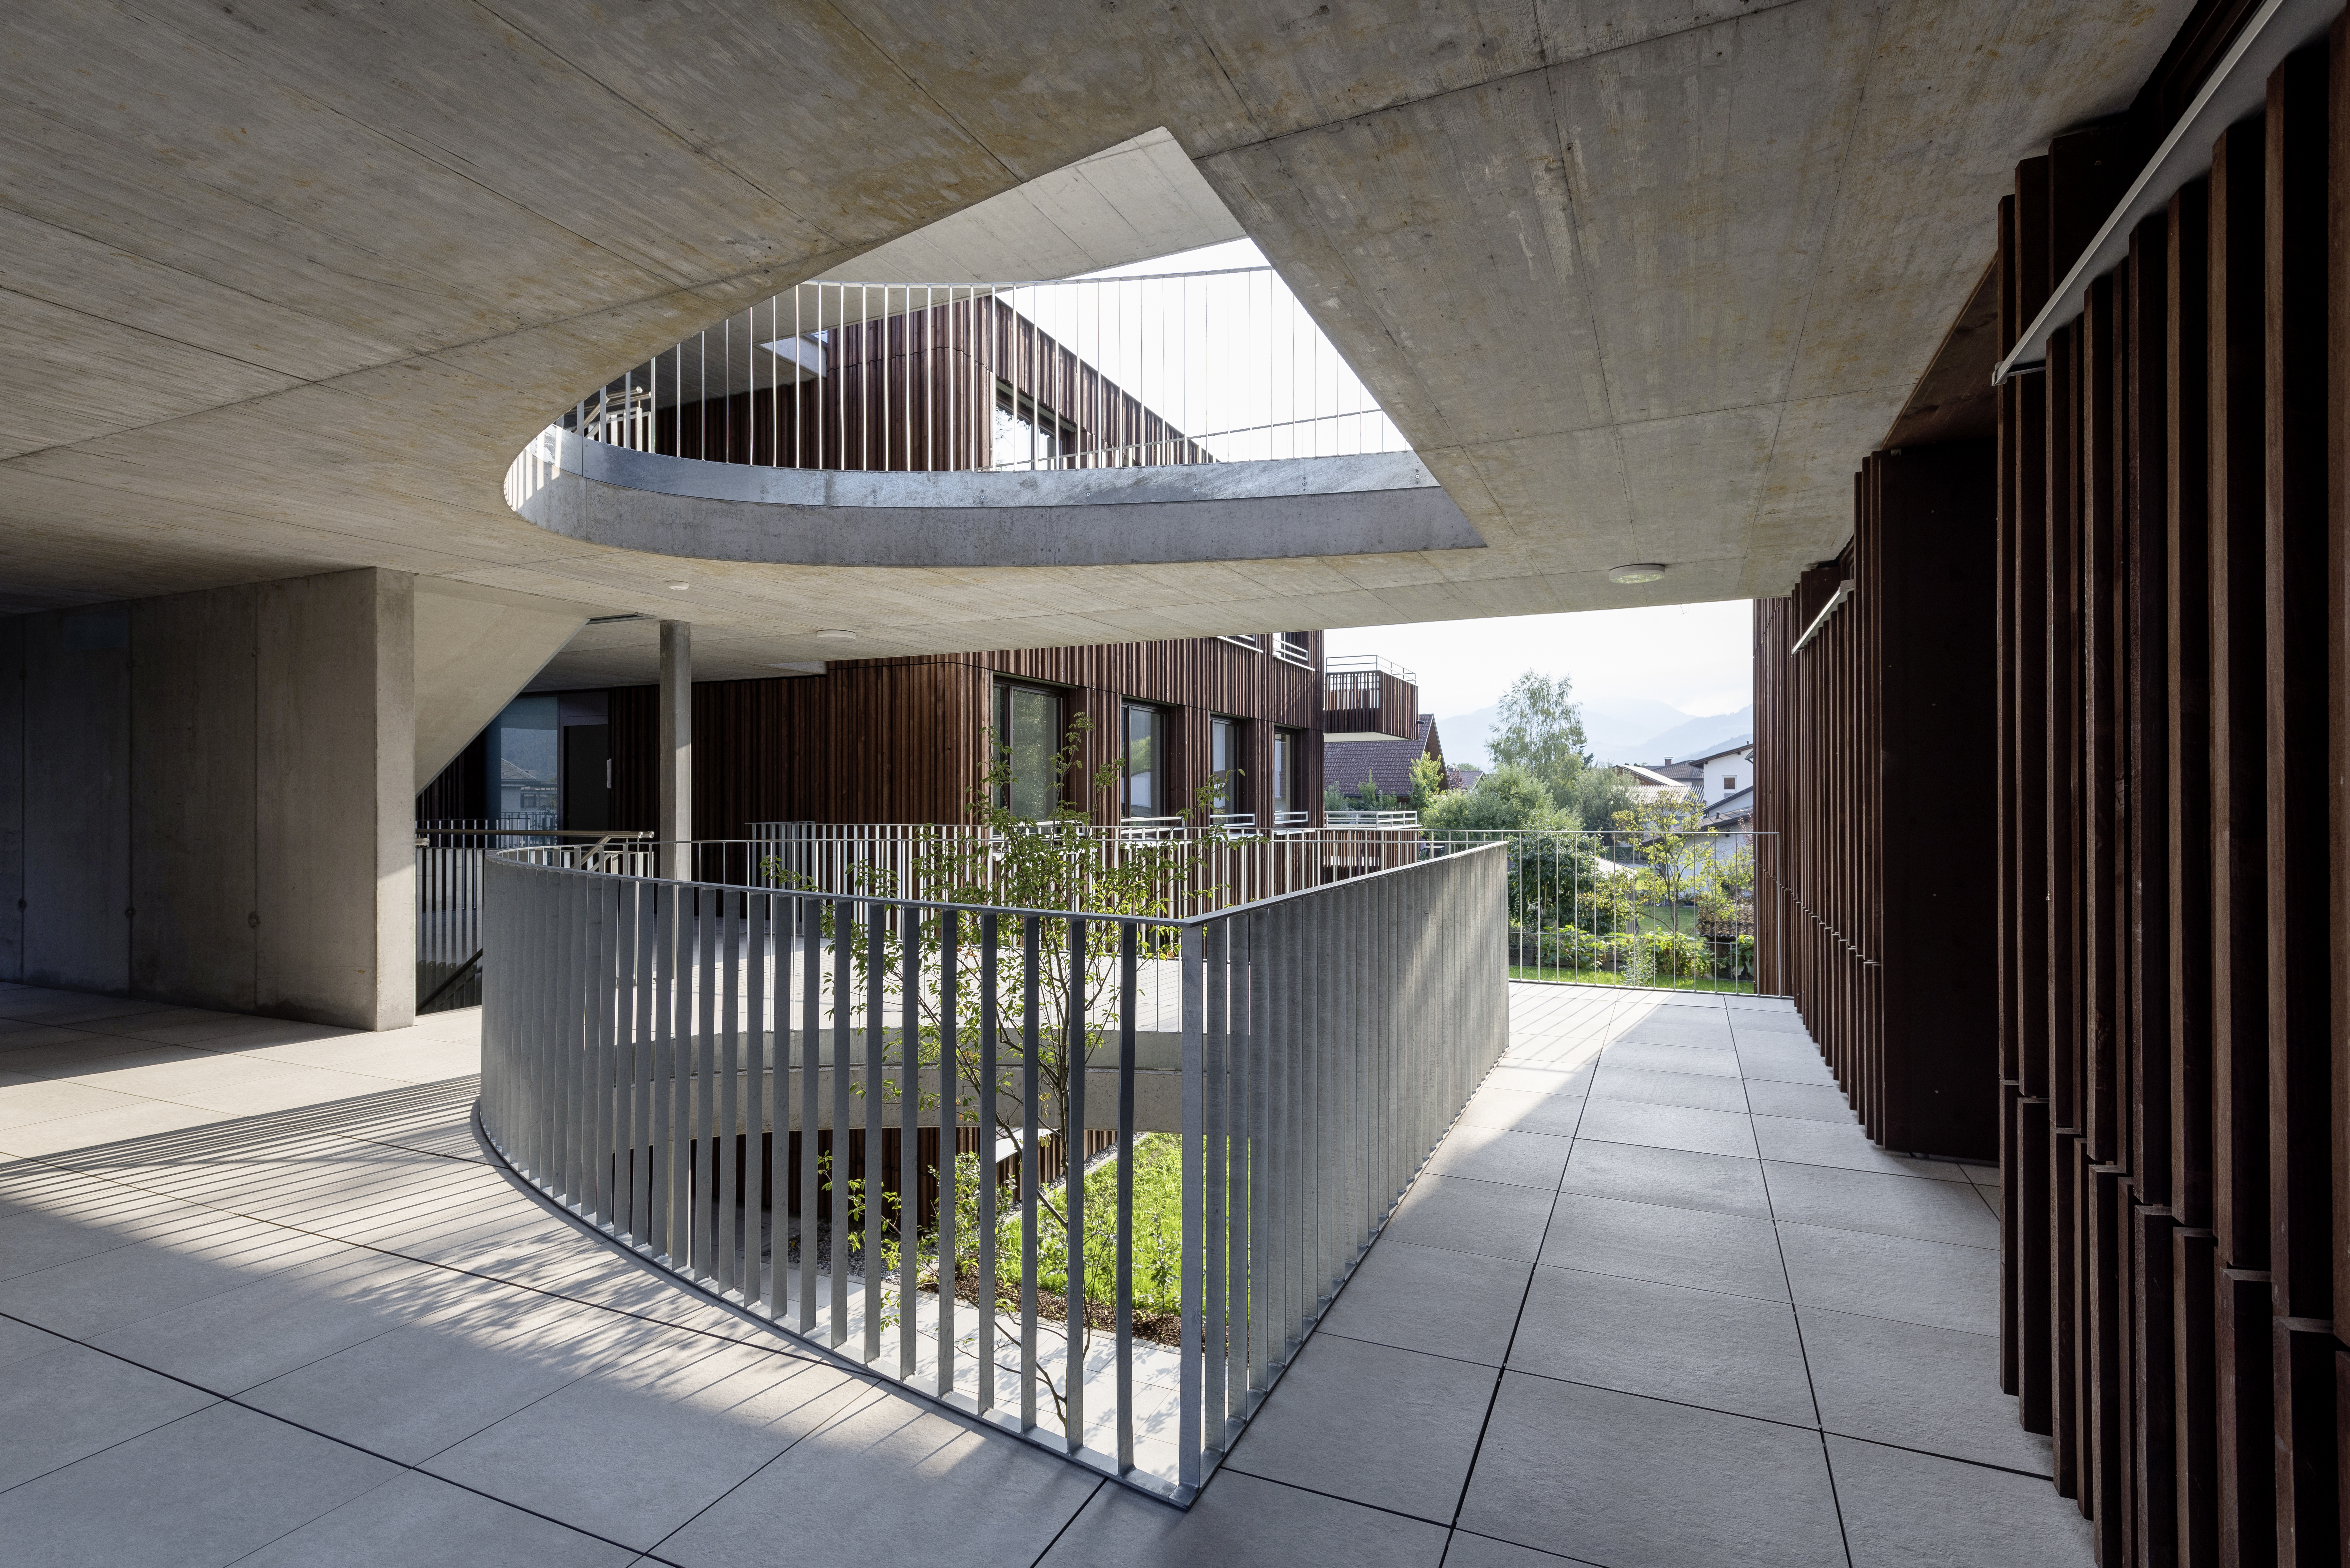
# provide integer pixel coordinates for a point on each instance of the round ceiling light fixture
(836, 634)
(680, 587)
(1637, 572)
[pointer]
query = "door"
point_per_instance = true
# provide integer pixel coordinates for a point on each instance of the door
(588, 776)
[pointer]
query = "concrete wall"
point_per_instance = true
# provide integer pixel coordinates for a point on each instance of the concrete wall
(207, 798)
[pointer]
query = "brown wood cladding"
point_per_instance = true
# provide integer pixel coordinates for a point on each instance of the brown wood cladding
(1877, 736)
(903, 739)
(1369, 702)
(2162, 540)
(918, 391)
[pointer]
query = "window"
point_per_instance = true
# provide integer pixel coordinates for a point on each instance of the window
(1146, 761)
(1286, 757)
(1027, 435)
(1729, 783)
(523, 772)
(1224, 763)
(1028, 733)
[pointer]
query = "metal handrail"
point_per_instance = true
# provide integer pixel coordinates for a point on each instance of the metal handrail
(649, 1046)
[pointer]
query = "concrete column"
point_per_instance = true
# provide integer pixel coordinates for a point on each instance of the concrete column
(675, 763)
(214, 799)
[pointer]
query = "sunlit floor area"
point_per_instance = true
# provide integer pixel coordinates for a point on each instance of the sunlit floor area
(1657, 1301)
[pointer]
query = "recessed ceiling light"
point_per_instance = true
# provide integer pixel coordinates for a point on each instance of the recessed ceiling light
(1637, 572)
(838, 634)
(681, 588)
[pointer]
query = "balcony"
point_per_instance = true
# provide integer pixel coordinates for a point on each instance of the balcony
(1366, 698)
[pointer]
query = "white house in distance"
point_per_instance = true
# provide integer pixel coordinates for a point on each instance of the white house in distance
(1724, 771)
(1648, 785)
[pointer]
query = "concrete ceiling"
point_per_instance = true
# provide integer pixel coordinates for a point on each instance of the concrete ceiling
(286, 287)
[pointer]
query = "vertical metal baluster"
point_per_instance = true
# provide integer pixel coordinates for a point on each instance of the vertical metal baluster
(877, 1015)
(1215, 947)
(709, 915)
(729, 1258)
(990, 1103)
(811, 1049)
(659, 1189)
(1190, 1403)
(1074, 1038)
(640, 1103)
(910, 1132)
(949, 1122)
(1265, 1186)
(763, 1122)
(1030, 936)
(1128, 1000)
(605, 1048)
(844, 937)
(571, 1100)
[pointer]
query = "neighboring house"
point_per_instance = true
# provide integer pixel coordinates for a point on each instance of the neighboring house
(1725, 769)
(1648, 785)
(1688, 774)
(1467, 775)
(1346, 762)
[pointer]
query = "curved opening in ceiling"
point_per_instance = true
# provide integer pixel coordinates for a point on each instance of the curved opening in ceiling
(890, 420)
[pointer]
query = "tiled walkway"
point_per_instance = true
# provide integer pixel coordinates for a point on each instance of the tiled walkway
(262, 1302)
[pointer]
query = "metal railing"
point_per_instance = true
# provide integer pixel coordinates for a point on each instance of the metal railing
(1195, 870)
(450, 852)
(763, 1091)
(1366, 663)
(1672, 910)
(1166, 368)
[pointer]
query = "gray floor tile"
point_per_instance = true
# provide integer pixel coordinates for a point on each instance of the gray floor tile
(1668, 1126)
(415, 1519)
(1700, 1347)
(68, 1401)
(1493, 1219)
(1931, 1282)
(234, 1340)
(1916, 1387)
(1469, 1551)
(1372, 1424)
(634, 1450)
(36, 1239)
(1672, 1246)
(1240, 1521)
(1641, 1483)
(1424, 1298)
(1531, 1079)
(1717, 1182)
(1792, 1059)
(1719, 1062)
(200, 1491)
(1908, 1206)
(890, 1474)
(1491, 1154)
(1818, 1142)
(413, 1392)
(89, 1295)
(1517, 1110)
(1810, 1102)
(1698, 1091)
(1903, 1509)
(1696, 1029)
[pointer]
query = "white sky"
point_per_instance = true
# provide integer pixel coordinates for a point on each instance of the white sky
(1696, 658)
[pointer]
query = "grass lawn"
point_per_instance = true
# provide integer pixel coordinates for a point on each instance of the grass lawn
(1608, 977)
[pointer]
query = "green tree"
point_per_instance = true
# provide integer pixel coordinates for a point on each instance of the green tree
(1505, 798)
(1427, 781)
(1597, 796)
(1540, 729)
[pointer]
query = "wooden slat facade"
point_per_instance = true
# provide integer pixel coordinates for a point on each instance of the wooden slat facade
(904, 740)
(2154, 562)
(1369, 703)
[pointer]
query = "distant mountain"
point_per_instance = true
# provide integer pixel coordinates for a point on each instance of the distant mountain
(1627, 730)
(1698, 736)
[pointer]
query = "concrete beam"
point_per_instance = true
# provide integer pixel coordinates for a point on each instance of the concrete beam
(1378, 504)
(476, 647)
